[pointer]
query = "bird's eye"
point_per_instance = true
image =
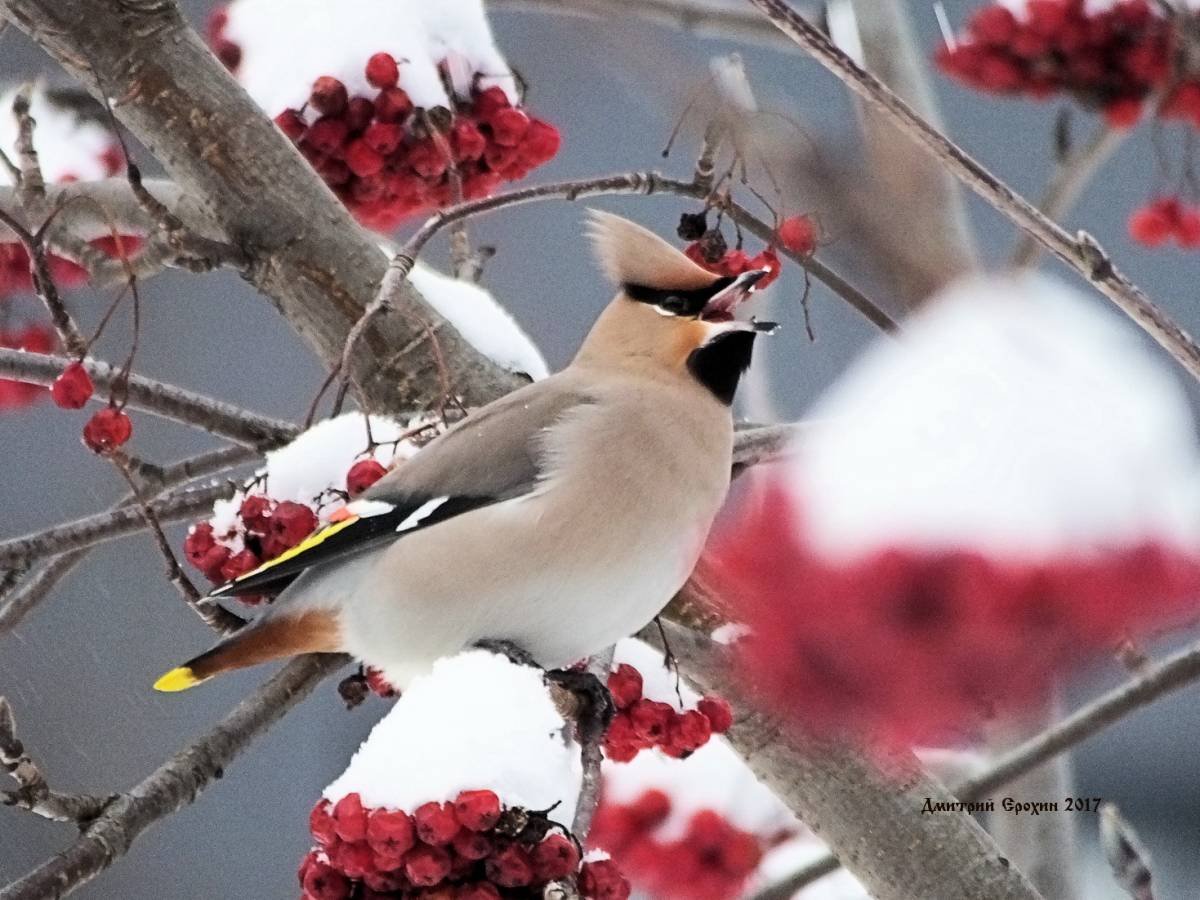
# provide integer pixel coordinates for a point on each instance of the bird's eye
(674, 304)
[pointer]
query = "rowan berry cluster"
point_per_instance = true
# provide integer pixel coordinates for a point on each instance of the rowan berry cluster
(641, 723)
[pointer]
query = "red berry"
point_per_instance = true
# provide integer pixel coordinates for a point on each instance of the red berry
(489, 101)
(362, 160)
(379, 684)
(383, 885)
(353, 860)
(540, 144)
(427, 866)
(436, 823)
(328, 96)
(472, 845)
(359, 112)
(798, 234)
(622, 742)
(198, 542)
(292, 522)
(239, 564)
(554, 858)
(229, 53)
(625, 685)
(467, 141)
(392, 105)
(480, 890)
(602, 880)
(480, 184)
(651, 719)
(477, 810)
(1187, 228)
(291, 124)
(688, 733)
(350, 819)
(321, 824)
(382, 71)
(390, 834)
(255, 512)
(650, 809)
(718, 712)
(427, 159)
(1151, 225)
(323, 882)
(511, 867)
(508, 126)
(73, 388)
(107, 430)
(212, 561)
(383, 137)
(326, 135)
(993, 25)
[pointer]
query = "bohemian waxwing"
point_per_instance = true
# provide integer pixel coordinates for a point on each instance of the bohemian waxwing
(559, 518)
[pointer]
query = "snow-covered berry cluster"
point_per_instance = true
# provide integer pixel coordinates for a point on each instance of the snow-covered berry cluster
(1107, 56)
(302, 486)
(909, 611)
(641, 723)
(1165, 219)
(394, 102)
(458, 792)
(709, 859)
(471, 848)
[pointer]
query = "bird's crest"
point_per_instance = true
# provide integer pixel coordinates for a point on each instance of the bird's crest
(633, 255)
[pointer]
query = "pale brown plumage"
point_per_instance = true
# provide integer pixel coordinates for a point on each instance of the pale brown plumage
(561, 517)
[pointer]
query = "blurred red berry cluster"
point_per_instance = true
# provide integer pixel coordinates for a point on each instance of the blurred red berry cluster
(1164, 219)
(34, 338)
(387, 160)
(641, 723)
(14, 264)
(471, 849)
(711, 860)
(905, 646)
(1109, 59)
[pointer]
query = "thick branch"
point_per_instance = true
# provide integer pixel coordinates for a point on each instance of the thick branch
(316, 264)
(214, 416)
(1081, 252)
(174, 785)
(869, 816)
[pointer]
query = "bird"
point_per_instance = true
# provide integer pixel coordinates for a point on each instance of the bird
(556, 519)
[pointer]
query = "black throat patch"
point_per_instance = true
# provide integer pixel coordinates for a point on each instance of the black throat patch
(719, 364)
(677, 302)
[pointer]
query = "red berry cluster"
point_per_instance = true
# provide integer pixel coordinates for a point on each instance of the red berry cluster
(734, 262)
(712, 860)
(266, 528)
(1108, 59)
(386, 159)
(36, 339)
(641, 723)
(471, 849)
(1163, 219)
(14, 264)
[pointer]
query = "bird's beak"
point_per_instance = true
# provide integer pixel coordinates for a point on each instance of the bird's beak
(721, 306)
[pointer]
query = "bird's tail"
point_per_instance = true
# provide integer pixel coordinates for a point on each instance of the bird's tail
(272, 637)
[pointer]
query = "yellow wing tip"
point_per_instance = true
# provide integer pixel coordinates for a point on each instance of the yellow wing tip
(178, 679)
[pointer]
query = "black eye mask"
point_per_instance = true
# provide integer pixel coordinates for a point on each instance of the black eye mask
(676, 302)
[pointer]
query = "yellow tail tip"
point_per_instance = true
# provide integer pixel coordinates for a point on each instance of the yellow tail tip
(179, 679)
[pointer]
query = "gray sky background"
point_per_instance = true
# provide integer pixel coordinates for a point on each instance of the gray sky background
(79, 670)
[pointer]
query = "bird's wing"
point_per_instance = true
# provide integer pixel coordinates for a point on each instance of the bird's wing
(490, 456)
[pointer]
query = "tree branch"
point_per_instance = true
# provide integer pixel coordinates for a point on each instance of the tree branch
(1081, 252)
(173, 785)
(320, 269)
(214, 416)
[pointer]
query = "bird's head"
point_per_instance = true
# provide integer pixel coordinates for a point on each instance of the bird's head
(669, 312)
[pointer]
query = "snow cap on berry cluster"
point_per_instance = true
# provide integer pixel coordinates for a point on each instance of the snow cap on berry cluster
(475, 721)
(481, 320)
(1012, 417)
(287, 44)
(316, 462)
(70, 147)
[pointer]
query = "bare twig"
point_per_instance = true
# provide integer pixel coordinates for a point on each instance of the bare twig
(592, 755)
(32, 185)
(33, 793)
(173, 785)
(1081, 252)
(1126, 856)
(215, 416)
(1070, 177)
(107, 526)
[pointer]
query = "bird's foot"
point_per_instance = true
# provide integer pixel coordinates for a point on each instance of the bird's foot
(596, 704)
(514, 652)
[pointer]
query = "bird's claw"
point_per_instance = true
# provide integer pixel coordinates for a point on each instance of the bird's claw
(596, 710)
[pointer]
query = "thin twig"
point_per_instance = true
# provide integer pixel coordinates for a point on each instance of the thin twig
(33, 793)
(1128, 859)
(591, 754)
(32, 185)
(173, 785)
(43, 284)
(1081, 252)
(215, 416)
